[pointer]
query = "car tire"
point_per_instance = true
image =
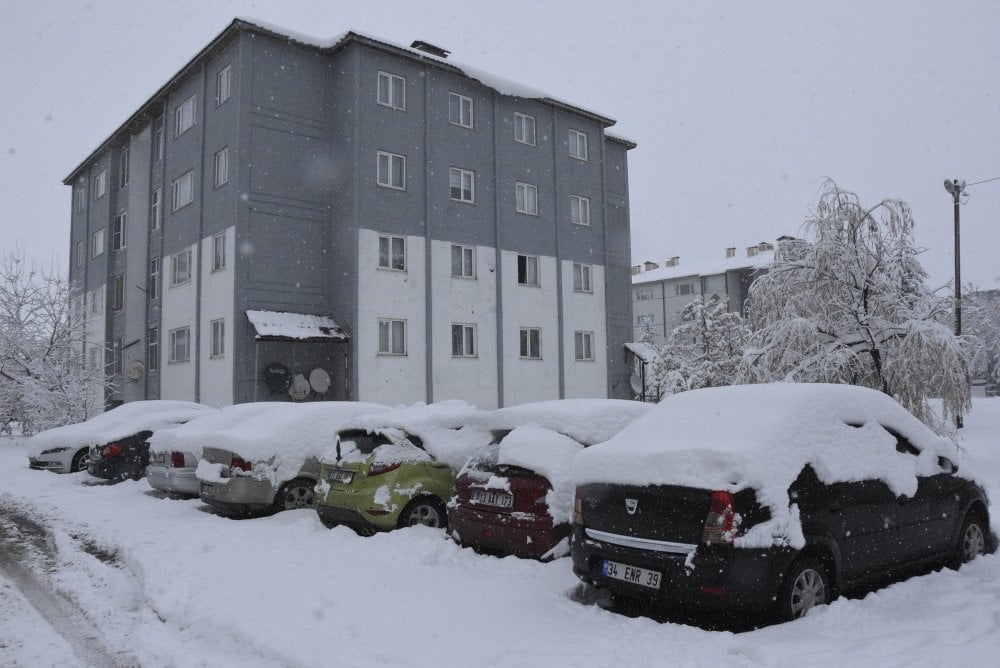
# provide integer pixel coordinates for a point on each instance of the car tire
(424, 510)
(80, 461)
(806, 585)
(295, 494)
(971, 540)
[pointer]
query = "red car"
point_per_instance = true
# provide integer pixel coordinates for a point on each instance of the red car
(516, 495)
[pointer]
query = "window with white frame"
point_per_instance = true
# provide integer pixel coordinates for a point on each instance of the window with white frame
(222, 167)
(97, 243)
(527, 270)
(180, 267)
(101, 184)
(154, 278)
(153, 349)
(117, 353)
(392, 253)
(219, 252)
(531, 343)
(577, 144)
(184, 116)
(645, 320)
(157, 138)
(579, 208)
(527, 198)
(460, 110)
(462, 183)
(96, 301)
(583, 346)
(223, 84)
(642, 294)
(180, 344)
(524, 129)
(391, 337)
(391, 170)
(463, 261)
(156, 208)
(182, 190)
(391, 90)
(219, 337)
(684, 289)
(118, 231)
(118, 292)
(463, 340)
(581, 278)
(79, 198)
(81, 253)
(123, 167)
(94, 358)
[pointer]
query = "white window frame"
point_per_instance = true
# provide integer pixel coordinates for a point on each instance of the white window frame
(180, 271)
(118, 227)
(684, 289)
(583, 346)
(180, 346)
(528, 349)
(460, 110)
(462, 182)
(391, 92)
(157, 132)
(123, 167)
(153, 290)
(101, 184)
(527, 269)
(79, 199)
(464, 341)
(223, 84)
(219, 252)
(645, 320)
(222, 167)
(184, 115)
(464, 261)
(181, 187)
(526, 196)
(578, 145)
(388, 329)
(118, 292)
(94, 358)
(97, 242)
(579, 207)
(153, 348)
(156, 208)
(391, 252)
(582, 277)
(522, 124)
(385, 173)
(219, 338)
(117, 355)
(81, 253)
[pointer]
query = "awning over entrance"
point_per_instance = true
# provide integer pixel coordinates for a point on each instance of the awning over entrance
(643, 351)
(280, 326)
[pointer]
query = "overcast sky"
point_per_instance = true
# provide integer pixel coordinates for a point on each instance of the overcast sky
(740, 109)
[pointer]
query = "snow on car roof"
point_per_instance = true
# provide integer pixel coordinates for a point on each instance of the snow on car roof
(547, 453)
(761, 436)
(125, 420)
(586, 421)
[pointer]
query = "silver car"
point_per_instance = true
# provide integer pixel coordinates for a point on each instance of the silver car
(173, 472)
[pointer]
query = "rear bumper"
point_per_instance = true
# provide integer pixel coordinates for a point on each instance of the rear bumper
(531, 536)
(173, 480)
(114, 469)
(239, 494)
(336, 516)
(48, 465)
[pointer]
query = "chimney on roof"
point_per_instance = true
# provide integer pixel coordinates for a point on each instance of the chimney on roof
(427, 47)
(764, 246)
(731, 251)
(673, 262)
(650, 266)
(636, 269)
(751, 251)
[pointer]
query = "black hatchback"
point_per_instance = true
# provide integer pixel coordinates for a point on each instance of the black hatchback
(121, 459)
(796, 493)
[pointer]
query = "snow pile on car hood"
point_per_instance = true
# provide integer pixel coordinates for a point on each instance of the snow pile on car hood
(120, 422)
(451, 431)
(761, 437)
(586, 421)
(547, 453)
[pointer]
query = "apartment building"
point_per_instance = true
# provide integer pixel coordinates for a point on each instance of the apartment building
(286, 220)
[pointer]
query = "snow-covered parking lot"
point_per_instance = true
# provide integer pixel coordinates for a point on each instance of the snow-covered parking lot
(94, 574)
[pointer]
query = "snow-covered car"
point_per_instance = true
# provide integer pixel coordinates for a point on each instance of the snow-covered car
(397, 469)
(121, 431)
(515, 496)
(264, 456)
(770, 499)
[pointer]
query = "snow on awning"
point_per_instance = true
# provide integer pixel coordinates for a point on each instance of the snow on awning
(644, 352)
(272, 325)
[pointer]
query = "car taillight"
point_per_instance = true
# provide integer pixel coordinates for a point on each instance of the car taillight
(578, 508)
(239, 464)
(378, 468)
(111, 450)
(177, 460)
(720, 523)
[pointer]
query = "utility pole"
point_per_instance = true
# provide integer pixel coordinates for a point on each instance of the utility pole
(956, 187)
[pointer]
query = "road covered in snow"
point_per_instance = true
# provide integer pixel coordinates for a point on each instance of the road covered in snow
(95, 574)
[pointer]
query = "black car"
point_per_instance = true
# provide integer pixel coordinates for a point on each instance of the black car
(121, 459)
(742, 547)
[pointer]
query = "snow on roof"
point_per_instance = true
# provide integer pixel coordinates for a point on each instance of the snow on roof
(125, 420)
(301, 326)
(586, 421)
(643, 351)
(761, 437)
(705, 268)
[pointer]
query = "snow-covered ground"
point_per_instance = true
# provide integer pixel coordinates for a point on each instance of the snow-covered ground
(164, 582)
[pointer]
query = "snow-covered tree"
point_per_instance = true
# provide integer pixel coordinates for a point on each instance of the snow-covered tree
(981, 321)
(849, 305)
(706, 350)
(43, 382)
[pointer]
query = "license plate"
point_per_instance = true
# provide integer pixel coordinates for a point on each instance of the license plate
(491, 498)
(633, 574)
(343, 476)
(207, 490)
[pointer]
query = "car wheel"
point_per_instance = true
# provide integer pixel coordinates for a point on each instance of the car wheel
(971, 540)
(424, 510)
(80, 461)
(295, 494)
(806, 586)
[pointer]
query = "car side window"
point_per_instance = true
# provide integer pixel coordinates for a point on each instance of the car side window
(903, 445)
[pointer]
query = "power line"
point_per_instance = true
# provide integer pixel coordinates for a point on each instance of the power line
(995, 178)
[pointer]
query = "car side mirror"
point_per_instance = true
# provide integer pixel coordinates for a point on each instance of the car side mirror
(947, 465)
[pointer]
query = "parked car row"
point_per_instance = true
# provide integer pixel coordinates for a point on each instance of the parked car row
(769, 499)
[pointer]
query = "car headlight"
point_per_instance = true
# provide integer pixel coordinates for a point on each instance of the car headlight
(52, 451)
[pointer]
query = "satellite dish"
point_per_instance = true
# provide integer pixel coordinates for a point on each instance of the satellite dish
(319, 379)
(277, 377)
(135, 371)
(636, 383)
(299, 388)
